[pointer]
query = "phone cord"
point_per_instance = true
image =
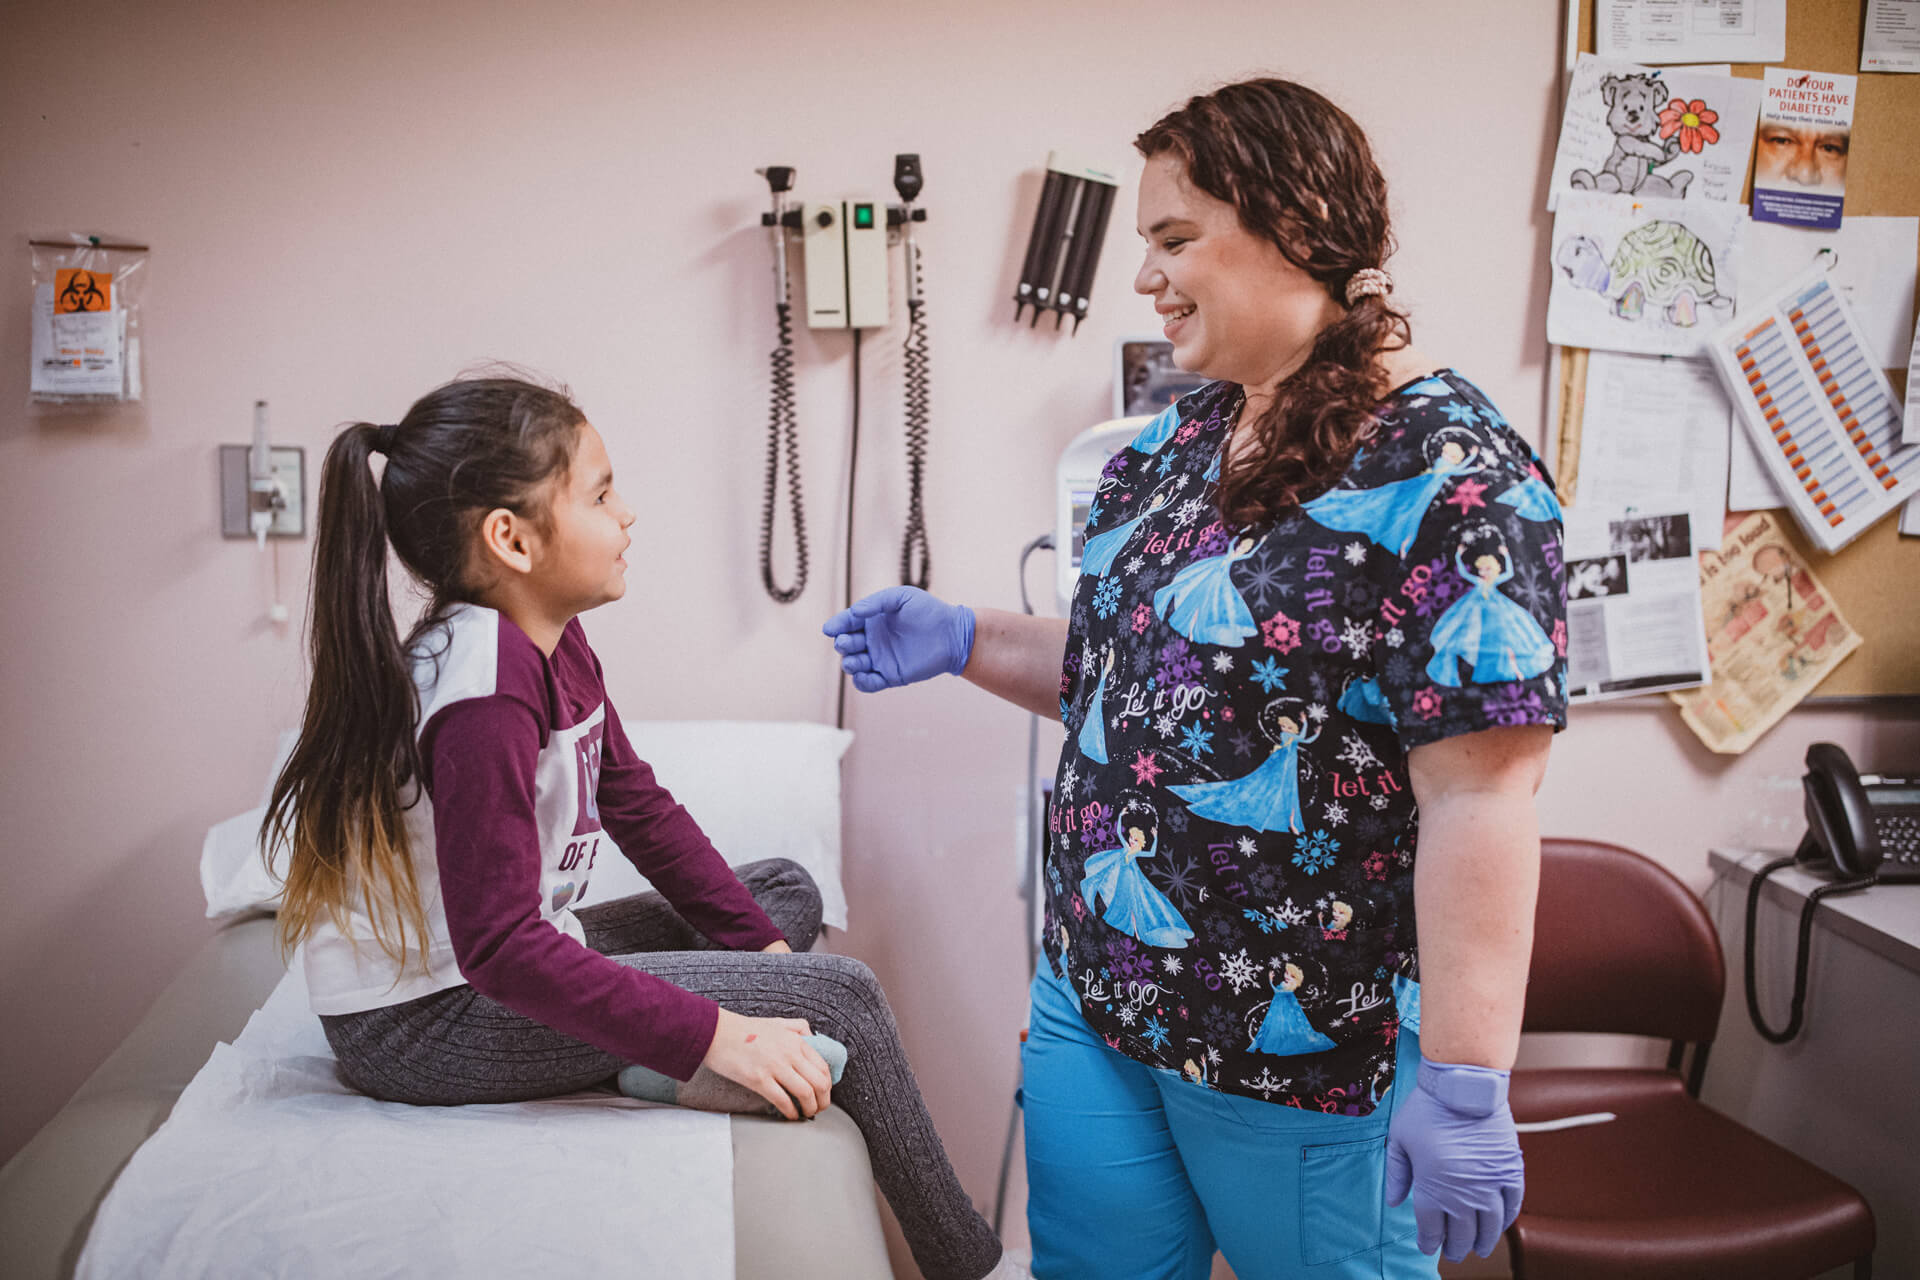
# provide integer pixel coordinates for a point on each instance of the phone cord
(1798, 1008)
(918, 413)
(783, 437)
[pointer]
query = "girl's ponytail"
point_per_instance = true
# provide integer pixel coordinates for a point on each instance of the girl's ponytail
(341, 798)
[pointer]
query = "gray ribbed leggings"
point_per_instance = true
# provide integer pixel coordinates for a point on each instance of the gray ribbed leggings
(457, 1046)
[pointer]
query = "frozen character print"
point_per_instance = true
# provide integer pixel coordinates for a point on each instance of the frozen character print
(1406, 1002)
(1492, 634)
(1093, 726)
(1533, 499)
(1103, 548)
(1268, 799)
(1134, 906)
(1391, 513)
(1195, 1069)
(1202, 604)
(1155, 434)
(1364, 701)
(1285, 1031)
(1335, 929)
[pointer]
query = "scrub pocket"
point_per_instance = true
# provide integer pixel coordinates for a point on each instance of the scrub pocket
(1342, 1199)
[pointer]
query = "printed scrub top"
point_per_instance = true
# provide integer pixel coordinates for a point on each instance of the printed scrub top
(1232, 832)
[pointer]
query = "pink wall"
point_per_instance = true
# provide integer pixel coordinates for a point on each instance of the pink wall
(351, 202)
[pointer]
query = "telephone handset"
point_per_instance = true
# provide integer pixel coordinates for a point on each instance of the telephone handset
(1861, 831)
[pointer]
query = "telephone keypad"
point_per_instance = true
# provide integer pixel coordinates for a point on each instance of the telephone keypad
(1899, 833)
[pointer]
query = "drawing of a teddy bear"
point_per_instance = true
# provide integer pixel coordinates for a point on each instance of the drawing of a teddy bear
(1633, 113)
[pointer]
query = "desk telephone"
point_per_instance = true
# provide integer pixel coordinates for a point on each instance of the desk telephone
(1861, 831)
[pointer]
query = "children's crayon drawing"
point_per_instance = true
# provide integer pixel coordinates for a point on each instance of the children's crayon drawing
(1652, 276)
(1658, 134)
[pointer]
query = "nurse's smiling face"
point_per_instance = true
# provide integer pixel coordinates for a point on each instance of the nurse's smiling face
(1230, 302)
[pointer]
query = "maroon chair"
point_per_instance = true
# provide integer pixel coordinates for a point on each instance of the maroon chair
(1671, 1190)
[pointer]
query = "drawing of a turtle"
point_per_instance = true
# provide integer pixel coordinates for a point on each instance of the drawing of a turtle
(1658, 262)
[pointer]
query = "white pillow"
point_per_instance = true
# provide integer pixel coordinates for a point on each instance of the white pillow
(758, 788)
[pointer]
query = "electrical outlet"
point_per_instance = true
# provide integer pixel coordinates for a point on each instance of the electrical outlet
(290, 476)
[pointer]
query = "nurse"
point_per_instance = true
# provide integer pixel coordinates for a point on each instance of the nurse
(1299, 765)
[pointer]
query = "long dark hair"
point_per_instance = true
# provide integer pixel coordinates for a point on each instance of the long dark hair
(462, 450)
(1300, 174)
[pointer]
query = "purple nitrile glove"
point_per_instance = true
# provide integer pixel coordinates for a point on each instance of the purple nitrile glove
(900, 635)
(1453, 1145)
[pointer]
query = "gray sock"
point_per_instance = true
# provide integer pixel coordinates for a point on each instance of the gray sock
(710, 1091)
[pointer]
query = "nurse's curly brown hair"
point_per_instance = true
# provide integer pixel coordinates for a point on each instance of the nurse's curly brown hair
(1300, 174)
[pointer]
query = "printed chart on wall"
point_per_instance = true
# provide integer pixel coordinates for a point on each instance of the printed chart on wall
(1802, 375)
(1632, 130)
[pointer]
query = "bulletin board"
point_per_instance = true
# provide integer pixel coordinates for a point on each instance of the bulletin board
(1876, 578)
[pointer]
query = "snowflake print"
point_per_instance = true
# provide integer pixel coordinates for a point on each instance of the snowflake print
(1167, 460)
(1513, 704)
(1129, 962)
(1378, 802)
(1360, 595)
(1223, 662)
(1178, 667)
(1466, 496)
(1245, 845)
(1146, 768)
(1426, 702)
(1177, 819)
(1222, 930)
(1165, 725)
(1355, 752)
(1167, 558)
(1188, 512)
(1264, 582)
(1395, 637)
(1079, 907)
(1281, 632)
(1261, 920)
(1180, 482)
(1460, 412)
(1142, 615)
(1133, 565)
(1289, 914)
(1197, 740)
(1219, 1023)
(1355, 553)
(1094, 513)
(1155, 1033)
(1356, 636)
(1239, 970)
(1560, 637)
(1186, 433)
(1335, 813)
(1266, 880)
(1106, 597)
(1126, 1013)
(1268, 674)
(1265, 1085)
(1171, 965)
(1177, 875)
(1213, 541)
(1316, 711)
(1242, 742)
(1376, 865)
(1314, 853)
(1398, 669)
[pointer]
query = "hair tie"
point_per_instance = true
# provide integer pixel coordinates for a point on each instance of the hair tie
(1367, 283)
(383, 438)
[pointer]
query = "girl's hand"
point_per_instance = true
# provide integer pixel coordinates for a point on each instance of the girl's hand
(768, 1056)
(779, 948)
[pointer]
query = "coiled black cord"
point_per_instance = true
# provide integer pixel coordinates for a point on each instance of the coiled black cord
(1798, 1008)
(783, 437)
(918, 415)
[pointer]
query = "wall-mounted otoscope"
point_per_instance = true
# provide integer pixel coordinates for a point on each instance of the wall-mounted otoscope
(1063, 250)
(844, 249)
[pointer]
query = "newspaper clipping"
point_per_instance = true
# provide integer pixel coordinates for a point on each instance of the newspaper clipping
(1633, 605)
(1773, 633)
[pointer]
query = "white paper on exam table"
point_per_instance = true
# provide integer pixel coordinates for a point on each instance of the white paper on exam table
(1890, 40)
(1873, 267)
(1716, 171)
(270, 1166)
(1634, 621)
(1669, 31)
(1654, 437)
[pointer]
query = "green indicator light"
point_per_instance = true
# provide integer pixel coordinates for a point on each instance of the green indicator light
(863, 216)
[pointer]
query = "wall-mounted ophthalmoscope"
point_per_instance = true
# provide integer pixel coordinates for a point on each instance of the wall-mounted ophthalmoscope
(844, 246)
(1063, 249)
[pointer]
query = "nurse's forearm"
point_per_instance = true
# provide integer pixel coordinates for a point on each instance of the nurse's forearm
(1475, 883)
(1017, 656)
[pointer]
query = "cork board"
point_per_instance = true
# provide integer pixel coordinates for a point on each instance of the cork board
(1876, 578)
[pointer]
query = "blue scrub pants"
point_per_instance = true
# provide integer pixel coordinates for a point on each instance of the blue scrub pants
(1138, 1174)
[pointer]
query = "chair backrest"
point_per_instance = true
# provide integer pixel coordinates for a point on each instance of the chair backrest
(1621, 946)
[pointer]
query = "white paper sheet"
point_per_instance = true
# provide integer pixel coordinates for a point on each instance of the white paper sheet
(1821, 412)
(1890, 41)
(1634, 130)
(1650, 276)
(1873, 259)
(1668, 31)
(1910, 422)
(1750, 485)
(269, 1166)
(1653, 437)
(1633, 604)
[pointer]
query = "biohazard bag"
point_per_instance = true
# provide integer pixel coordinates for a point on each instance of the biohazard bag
(86, 320)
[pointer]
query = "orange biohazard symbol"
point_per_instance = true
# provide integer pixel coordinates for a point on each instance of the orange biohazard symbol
(77, 289)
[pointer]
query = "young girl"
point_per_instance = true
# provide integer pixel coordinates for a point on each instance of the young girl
(450, 794)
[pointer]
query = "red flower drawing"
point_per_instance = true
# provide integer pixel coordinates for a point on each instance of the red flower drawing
(1693, 121)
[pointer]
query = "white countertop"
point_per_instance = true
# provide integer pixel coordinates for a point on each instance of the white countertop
(1885, 919)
